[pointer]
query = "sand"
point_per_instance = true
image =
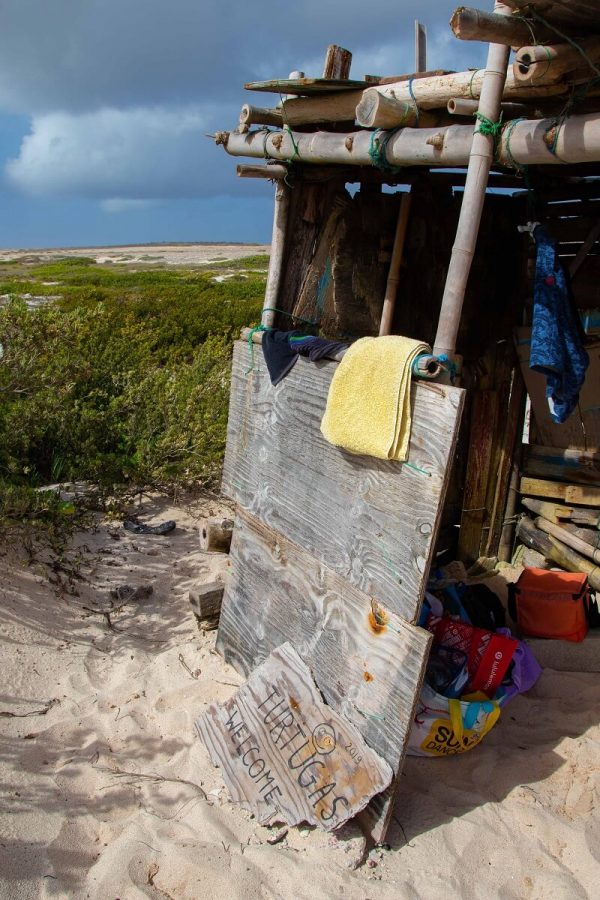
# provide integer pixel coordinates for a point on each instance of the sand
(110, 794)
(143, 254)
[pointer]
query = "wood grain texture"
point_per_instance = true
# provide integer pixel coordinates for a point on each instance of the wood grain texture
(284, 754)
(574, 494)
(370, 521)
(369, 673)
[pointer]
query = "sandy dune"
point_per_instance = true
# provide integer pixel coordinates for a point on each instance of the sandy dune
(110, 794)
(146, 254)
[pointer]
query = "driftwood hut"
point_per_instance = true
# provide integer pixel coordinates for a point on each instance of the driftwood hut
(403, 205)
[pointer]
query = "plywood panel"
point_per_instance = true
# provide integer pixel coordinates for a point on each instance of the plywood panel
(285, 754)
(370, 521)
(368, 672)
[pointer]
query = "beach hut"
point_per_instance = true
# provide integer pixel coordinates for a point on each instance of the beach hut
(405, 205)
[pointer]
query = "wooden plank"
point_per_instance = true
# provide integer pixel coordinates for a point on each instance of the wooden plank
(370, 674)
(581, 466)
(284, 754)
(306, 87)
(574, 494)
(554, 512)
(481, 444)
(371, 521)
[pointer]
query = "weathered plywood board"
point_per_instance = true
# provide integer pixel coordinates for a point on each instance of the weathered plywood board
(284, 754)
(368, 672)
(371, 521)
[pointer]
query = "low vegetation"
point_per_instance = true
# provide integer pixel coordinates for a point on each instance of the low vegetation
(123, 379)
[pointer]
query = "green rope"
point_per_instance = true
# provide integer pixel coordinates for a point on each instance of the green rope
(296, 154)
(566, 38)
(414, 100)
(471, 94)
(489, 128)
(378, 150)
(261, 327)
(509, 128)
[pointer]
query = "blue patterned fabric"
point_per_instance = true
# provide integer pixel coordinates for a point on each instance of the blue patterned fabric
(557, 349)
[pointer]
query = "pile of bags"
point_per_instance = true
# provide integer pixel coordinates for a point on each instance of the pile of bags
(475, 667)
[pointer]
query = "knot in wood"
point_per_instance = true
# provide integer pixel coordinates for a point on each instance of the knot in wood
(277, 140)
(436, 140)
(221, 137)
(349, 143)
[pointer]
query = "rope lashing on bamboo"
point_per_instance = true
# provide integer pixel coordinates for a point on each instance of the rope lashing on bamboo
(509, 128)
(489, 128)
(261, 327)
(471, 94)
(378, 148)
(566, 38)
(414, 99)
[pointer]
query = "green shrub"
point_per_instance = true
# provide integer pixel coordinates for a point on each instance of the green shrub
(126, 377)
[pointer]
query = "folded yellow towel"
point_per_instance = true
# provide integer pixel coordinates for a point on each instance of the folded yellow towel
(368, 405)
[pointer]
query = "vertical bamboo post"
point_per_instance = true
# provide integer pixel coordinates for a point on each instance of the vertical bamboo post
(391, 288)
(480, 160)
(280, 218)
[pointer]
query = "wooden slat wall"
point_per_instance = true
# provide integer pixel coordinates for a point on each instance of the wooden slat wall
(372, 522)
(370, 674)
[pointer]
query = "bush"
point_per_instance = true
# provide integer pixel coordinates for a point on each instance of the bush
(126, 377)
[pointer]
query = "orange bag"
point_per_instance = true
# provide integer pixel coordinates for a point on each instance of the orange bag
(551, 604)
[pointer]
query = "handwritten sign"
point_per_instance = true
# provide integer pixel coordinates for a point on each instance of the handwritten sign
(287, 756)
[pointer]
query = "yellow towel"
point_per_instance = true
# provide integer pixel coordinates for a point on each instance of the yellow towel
(368, 406)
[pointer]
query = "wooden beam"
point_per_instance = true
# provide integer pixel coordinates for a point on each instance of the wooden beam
(552, 549)
(391, 290)
(257, 115)
(420, 47)
(475, 25)
(538, 65)
(573, 494)
(337, 63)
(526, 142)
(270, 172)
(568, 538)
(580, 466)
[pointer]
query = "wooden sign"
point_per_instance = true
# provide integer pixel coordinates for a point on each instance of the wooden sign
(287, 756)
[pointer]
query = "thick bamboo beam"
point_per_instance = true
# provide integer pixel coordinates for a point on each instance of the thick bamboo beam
(433, 93)
(273, 172)
(536, 65)
(458, 106)
(391, 290)
(256, 115)
(280, 220)
(475, 25)
(480, 161)
(526, 142)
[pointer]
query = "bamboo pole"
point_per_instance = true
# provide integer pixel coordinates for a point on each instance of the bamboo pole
(556, 551)
(434, 93)
(391, 289)
(280, 219)
(256, 115)
(475, 25)
(271, 172)
(548, 63)
(566, 537)
(459, 106)
(525, 142)
(480, 161)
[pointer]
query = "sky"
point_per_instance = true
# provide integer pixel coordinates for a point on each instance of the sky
(105, 104)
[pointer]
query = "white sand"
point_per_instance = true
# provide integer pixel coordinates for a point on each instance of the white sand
(144, 254)
(516, 818)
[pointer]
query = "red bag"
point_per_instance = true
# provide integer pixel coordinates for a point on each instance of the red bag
(551, 604)
(488, 654)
